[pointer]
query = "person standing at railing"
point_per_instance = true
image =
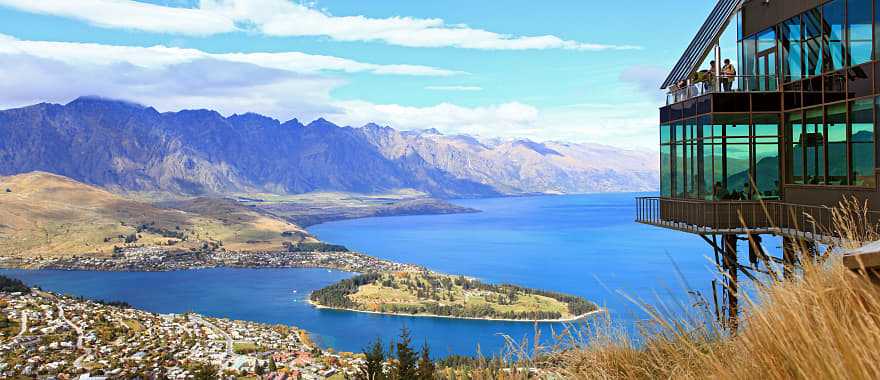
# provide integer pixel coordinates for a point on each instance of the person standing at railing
(710, 77)
(728, 74)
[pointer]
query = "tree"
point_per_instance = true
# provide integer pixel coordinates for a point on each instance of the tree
(426, 366)
(258, 369)
(406, 357)
(372, 369)
(272, 366)
(205, 371)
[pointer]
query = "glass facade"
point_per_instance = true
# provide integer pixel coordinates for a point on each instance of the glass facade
(832, 145)
(822, 134)
(725, 157)
(836, 35)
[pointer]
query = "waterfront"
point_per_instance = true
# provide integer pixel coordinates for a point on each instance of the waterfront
(586, 245)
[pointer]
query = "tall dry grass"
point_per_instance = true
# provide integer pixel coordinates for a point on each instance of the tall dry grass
(824, 324)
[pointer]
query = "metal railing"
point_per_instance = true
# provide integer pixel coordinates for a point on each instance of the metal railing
(731, 215)
(737, 83)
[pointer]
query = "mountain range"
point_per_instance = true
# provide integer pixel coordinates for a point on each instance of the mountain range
(128, 147)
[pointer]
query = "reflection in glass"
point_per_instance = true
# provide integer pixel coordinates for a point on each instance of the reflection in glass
(862, 142)
(766, 171)
(791, 49)
(814, 146)
(859, 31)
(736, 156)
(665, 171)
(833, 49)
(835, 123)
(812, 43)
(795, 162)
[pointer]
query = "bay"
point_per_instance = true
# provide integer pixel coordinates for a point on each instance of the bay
(587, 245)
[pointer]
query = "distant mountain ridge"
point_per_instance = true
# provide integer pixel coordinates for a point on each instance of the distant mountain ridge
(123, 146)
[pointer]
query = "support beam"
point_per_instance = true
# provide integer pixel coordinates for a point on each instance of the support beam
(731, 266)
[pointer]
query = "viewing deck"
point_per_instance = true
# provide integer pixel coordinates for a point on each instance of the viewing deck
(739, 217)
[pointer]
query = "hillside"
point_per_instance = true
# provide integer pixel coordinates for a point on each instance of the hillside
(126, 147)
(432, 294)
(43, 214)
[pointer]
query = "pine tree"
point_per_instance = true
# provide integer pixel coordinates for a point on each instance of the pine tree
(375, 355)
(426, 366)
(406, 357)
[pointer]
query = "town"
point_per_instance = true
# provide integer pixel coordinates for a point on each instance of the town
(48, 335)
(153, 259)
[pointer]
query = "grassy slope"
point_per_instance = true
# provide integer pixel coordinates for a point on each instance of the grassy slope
(373, 296)
(51, 215)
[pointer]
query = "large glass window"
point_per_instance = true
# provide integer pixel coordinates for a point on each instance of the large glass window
(812, 46)
(766, 172)
(794, 125)
(692, 182)
(679, 150)
(707, 160)
(765, 61)
(833, 35)
(877, 29)
(862, 142)
(791, 49)
(814, 146)
(736, 155)
(747, 62)
(665, 160)
(835, 124)
(859, 31)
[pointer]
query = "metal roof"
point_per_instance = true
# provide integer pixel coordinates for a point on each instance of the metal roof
(703, 41)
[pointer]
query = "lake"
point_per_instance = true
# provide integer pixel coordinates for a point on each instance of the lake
(587, 245)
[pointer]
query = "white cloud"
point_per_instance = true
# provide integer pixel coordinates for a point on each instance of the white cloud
(287, 18)
(227, 87)
(171, 79)
(454, 88)
(127, 14)
(162, 56)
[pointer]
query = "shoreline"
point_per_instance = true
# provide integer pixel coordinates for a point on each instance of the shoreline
(561, 320)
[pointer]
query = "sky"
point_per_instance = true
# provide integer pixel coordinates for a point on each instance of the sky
(572, 70)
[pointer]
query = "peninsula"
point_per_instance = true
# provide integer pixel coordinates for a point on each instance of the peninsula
(430, 294)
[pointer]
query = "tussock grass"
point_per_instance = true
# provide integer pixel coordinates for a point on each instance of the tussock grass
(823, 324)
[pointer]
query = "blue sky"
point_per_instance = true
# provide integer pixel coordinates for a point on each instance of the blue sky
(580, 71)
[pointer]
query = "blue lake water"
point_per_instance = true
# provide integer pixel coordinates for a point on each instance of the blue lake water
(586, 245)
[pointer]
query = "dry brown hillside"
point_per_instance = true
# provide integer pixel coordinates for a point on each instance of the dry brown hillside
(43, 214)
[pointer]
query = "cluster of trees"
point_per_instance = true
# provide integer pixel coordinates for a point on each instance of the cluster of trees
(151, 228)
(336, 295)
(480, 311)
(401, 362)
(433, 289)
(12, 285)
(314, 247)
(119, 304)
(576, 305)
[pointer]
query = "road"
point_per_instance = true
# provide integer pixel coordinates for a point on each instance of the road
(79, 332)
(23, 325)
(210, 325)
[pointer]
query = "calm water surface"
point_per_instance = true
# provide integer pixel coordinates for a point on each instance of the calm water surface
(586, 245)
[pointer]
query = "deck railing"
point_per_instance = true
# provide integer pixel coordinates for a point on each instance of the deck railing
(693, 88)
(730, 215)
